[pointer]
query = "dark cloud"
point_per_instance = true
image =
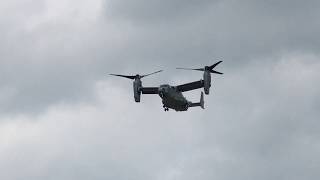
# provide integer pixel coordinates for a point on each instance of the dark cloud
(154, 11)
(235, 31)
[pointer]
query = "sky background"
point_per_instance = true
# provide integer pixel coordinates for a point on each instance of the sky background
(62, 117)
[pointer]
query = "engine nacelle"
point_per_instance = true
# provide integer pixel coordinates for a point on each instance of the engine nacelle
(206, 82)
(137, 84)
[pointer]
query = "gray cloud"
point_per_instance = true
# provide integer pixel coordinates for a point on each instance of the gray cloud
(62, 117)
(77, 46)
(249, 131)
(155, 11)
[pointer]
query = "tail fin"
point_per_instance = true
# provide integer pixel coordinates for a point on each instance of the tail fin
(202, 101)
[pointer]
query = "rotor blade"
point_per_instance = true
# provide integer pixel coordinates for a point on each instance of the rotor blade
(214, 65)
(151, 74)
(199, 69)
(124, 76)
(216, 72)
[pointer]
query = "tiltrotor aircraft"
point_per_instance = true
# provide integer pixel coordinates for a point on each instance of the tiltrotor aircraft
(172, 95)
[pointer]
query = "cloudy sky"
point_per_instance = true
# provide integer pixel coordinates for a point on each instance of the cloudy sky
(62, 117)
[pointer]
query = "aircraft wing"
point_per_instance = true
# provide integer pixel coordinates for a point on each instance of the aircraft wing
(190, 86)
(150, 90)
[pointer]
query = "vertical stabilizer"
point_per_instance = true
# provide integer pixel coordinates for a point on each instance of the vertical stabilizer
(202, 101)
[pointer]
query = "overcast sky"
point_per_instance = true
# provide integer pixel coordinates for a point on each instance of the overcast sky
(62, 117)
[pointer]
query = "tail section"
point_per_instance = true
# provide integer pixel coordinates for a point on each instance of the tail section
(201, 103)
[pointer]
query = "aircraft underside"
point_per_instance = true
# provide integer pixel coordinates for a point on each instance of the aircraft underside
(177, 102)
(174, 104)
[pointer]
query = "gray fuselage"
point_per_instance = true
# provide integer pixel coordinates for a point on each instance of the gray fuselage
(171, 98)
